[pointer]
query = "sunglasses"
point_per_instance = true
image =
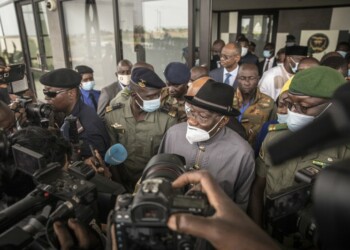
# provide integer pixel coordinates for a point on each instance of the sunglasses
(53, 94)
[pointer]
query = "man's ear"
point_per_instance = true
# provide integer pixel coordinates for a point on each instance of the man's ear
(224, 121)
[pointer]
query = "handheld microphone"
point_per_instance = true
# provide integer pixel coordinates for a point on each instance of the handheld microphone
(116, 154)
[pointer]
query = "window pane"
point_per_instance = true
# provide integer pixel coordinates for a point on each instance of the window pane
(10, 42)
(154, 31)
(90, 34)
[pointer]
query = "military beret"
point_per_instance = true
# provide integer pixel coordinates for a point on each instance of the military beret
(177, 73)
(296, 51)
(61, 78)
(82, 69)
(319, 81)
(144, 77)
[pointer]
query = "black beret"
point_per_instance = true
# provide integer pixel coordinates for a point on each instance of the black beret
(177, 73)
(296, 51)
(144, 77)
(61, 78)
(83, 69)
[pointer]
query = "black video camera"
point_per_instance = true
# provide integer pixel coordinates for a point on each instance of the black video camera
(290, 210)
(141, 219)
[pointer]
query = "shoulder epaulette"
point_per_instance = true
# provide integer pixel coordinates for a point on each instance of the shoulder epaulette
(118, 105)
(278, 127)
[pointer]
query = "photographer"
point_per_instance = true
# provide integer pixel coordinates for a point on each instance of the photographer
(309, 97)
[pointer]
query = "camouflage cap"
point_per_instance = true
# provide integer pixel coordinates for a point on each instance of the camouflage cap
(319, 81)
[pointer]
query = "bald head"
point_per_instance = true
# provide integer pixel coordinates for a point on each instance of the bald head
(308, 62)
(249, 66)
(196, 85)
(198, 72)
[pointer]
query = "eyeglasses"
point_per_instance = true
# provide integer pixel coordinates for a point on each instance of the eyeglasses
(227, 57)
(53, 94)
(201, 117)
(247, 78)
(300, 108)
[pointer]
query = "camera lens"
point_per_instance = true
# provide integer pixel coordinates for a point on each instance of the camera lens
(165, 166)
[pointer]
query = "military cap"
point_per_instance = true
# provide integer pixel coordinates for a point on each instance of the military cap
(61, 78)
(296, 51)
(177, 73)
(216, 97)
(144, 77)
(83, 69)
(319, 81)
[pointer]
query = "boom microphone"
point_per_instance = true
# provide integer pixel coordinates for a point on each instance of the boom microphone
(329, 130)
(116, 154)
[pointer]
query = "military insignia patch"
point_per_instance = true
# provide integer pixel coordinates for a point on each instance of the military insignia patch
(142, 83)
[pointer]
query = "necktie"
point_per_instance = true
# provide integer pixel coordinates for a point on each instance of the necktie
(267, 65)
(91, 96)
(227, 80)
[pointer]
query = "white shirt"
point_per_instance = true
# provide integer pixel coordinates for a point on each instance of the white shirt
(273, 80)
(233, 75)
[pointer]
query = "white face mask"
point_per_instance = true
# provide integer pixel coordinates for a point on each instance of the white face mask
(244, 51)
(124, 79)
(149, 105)
(195, 134)
(266, 53)
(296, 121)
(282, 118)
(88, 85)
(295, 68)
(342, 53)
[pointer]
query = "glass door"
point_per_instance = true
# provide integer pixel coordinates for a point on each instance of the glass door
(36, 40)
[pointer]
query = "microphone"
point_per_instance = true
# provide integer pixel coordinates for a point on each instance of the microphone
(329, 130)
(116, 154)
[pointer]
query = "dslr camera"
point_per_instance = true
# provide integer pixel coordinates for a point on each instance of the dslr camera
(141, 219)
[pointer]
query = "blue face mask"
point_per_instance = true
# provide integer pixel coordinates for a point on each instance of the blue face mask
(149, 105)
(266, 53)
(88, 85)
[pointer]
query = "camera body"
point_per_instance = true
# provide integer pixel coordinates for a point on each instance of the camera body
(37, 113)
(141, 219)
(290, 210)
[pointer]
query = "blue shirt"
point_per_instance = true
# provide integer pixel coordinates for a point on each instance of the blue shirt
(87, 99)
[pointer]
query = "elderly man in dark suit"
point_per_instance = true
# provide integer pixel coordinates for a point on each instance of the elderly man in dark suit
(229, 58)
(109, 92)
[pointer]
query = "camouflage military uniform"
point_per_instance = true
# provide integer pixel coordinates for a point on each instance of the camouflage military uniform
(259, 111)
(141, 139)
(173, 106)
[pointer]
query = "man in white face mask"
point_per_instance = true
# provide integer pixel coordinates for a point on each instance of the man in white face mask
(137, 122)
(109, 92)
(206, 142)
(309, 96)
(274, 79)
(246, 55)
(88, 94)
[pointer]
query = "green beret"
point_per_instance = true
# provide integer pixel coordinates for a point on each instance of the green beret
(319, 81)
(61, 78)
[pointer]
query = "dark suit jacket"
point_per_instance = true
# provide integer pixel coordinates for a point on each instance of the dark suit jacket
(218, 75)
(107, 94)
(262, 63)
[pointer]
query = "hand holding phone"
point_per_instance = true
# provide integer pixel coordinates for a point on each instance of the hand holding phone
(12, 73)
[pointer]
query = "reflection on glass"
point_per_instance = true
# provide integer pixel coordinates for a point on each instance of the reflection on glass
(10, 42)
(45, 35)
(29, 23)
(154, 31)
(38, 86)
(258, 29)
(90, 33)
